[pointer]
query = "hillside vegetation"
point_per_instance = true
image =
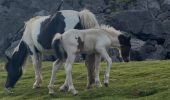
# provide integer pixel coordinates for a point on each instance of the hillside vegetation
(147, 80)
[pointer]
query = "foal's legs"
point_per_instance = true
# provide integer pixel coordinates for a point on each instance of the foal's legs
(105, 55)
(68, 69)
(55, 68)
(37, 59)
(97, 70)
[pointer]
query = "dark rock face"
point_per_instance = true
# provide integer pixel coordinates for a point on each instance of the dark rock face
(13, 13)
(148, 21)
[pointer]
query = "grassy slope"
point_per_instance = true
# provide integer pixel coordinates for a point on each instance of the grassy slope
(148, 80)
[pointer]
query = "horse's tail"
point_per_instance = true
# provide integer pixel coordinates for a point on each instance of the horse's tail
(57, 46)
(57, 36)
(88, 19)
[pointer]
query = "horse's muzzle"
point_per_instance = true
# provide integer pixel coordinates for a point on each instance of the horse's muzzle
(9, 90)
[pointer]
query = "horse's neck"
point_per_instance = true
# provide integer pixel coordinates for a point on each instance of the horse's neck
(114, 39)
(111, 36)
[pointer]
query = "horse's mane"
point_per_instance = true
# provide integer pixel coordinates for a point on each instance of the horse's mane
(110, 30)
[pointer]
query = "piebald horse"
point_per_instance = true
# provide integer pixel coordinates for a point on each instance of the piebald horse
(38, 34)
(96, 40)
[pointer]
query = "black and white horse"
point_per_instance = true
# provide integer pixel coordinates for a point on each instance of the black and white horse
(96, 40)
(37, 39)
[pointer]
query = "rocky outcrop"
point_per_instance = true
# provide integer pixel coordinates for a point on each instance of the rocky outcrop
(148, 21)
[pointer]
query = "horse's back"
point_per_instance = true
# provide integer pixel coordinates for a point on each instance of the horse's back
(89, 38)
(69, 12)
(42, 29)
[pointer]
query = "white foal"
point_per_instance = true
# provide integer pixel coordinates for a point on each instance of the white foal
(97, 41)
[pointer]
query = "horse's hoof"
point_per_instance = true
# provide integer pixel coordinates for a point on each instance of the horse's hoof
(63, 89)
(75, 93)
(51, 93)
(9, 90)
(88, 87)
(106, 84)
(98, 85)
(36, 86)
(51, 89)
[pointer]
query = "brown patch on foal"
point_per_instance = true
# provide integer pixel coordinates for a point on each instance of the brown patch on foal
(80, 44)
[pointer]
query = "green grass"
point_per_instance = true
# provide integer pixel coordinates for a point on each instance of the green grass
(148, 80)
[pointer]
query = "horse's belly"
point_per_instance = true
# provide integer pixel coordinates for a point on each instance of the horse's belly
(48, 52)
(88, 49)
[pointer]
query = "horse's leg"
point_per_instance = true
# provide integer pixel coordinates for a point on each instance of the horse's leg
(55, 68)
(105, 55)
(97, 70)
(68, 69)
(90, 64)
(37, 59)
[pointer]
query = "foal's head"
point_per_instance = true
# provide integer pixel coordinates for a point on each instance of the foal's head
(125, 46)
(123, 41)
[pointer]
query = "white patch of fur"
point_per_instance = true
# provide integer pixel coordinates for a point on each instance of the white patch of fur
(71, 19)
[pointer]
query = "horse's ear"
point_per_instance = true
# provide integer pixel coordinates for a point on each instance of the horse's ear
(59, 6)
